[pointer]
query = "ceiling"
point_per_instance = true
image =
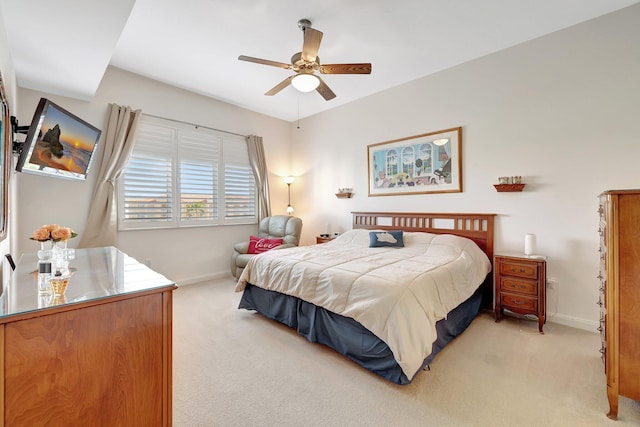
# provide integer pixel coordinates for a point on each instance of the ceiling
(66, 47)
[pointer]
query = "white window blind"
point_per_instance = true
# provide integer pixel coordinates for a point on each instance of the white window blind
(180, 175)
(199, 154)
(148, 177)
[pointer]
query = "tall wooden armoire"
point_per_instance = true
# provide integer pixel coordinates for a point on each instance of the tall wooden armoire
(620, 293)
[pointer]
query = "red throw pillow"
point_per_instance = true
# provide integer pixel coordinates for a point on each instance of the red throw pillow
(257, 245)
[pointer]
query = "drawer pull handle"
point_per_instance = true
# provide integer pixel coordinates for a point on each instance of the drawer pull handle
(516, 270)
(515, 301)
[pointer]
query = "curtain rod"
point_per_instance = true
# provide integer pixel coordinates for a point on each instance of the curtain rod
(195, 124)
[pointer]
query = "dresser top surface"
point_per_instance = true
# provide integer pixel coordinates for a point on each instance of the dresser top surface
(96, 274)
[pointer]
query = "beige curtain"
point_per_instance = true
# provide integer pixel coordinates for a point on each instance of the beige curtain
(102, 221)
(259, 166)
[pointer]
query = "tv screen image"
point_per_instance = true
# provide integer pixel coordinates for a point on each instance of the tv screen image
(58, 143)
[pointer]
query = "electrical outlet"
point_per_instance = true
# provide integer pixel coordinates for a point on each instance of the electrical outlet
(551, 283)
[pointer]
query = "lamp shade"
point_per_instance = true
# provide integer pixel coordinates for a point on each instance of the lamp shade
(305, 82)
(529, 244)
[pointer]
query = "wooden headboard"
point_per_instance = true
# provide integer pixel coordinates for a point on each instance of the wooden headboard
(474, 226)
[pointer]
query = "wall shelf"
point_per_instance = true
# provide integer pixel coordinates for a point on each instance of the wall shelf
(501, 188)
(344, 195)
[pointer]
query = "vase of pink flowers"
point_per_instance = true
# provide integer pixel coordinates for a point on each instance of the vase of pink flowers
(53, 240)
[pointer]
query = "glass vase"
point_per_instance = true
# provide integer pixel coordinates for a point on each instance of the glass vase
(45, 252)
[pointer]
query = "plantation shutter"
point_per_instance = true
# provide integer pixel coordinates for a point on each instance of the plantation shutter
(199, 155)
(148, 192)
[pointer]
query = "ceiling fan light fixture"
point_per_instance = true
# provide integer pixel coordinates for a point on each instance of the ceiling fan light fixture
(305, 82)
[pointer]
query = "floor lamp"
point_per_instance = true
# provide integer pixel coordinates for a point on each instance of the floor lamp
(289, 180)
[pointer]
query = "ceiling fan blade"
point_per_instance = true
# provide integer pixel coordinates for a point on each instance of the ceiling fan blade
(264, 62)
(312, 39)
(324, 90)
(277, 88)
(345, 69)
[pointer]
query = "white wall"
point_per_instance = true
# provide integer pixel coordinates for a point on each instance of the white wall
(562, 111)
(184, 255)
(9, 81)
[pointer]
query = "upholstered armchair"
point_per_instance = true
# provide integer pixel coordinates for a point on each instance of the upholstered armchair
(285, 227)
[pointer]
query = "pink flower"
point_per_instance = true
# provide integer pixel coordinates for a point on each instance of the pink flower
(61, 233)
(51, 227)
(41, 234)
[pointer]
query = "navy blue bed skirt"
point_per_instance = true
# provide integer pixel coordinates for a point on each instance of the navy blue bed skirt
(347, 336)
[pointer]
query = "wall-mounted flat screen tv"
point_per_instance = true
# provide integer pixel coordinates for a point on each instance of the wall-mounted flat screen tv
(58, 144)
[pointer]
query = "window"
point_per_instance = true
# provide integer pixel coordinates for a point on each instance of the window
(181, 175)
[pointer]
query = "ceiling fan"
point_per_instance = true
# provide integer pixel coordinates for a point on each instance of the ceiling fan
(306, 63)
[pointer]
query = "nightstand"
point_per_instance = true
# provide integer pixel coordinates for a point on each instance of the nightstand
(521, 286)
(324, 239)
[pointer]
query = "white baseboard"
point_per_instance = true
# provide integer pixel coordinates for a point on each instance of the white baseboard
(574, 322)
(203, 278)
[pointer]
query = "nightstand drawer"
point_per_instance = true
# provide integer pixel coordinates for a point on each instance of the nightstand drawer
(510, 284)
(514, 268)
(518, 302)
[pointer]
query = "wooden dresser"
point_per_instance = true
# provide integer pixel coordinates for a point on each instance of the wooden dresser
(98, 356)
(620, 294)
(521, 285)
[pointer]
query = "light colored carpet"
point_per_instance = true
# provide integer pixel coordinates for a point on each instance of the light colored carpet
(236, 368)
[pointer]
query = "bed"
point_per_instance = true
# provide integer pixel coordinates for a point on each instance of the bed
(390, 309)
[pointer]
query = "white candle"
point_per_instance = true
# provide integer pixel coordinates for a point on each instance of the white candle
(529, 244)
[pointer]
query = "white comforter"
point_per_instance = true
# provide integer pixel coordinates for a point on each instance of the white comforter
(397, 293)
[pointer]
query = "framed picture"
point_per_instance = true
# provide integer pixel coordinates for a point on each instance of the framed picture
(427, 163)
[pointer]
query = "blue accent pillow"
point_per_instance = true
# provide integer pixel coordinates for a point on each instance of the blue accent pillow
(378, 239)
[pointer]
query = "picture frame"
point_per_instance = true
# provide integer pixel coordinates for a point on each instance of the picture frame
(420, 164)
